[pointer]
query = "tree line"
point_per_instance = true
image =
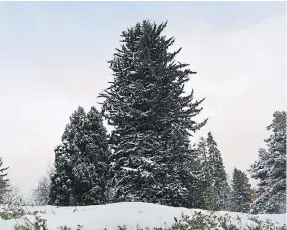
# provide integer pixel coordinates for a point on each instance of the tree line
(148, 156)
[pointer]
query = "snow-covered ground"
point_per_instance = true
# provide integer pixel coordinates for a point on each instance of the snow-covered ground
(133, 215)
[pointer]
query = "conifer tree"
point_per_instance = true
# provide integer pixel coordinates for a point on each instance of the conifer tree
(201, 158)
(219, 188)
(4, 182)
(270, 169)
(80, 162)
(91, 167)
(152, 119)
(241, 192)
(203, 170)
(62, 180)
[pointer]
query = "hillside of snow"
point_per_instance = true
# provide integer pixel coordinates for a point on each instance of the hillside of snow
(133, 215)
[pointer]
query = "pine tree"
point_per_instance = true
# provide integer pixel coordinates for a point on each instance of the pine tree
(80, 163)
(203, 170)
(62, 181)
(4, 182)
(152, 120)
(201, 159)
(241, 192)
(91, 166)
(219, 188)
(215, 191)
(270, 169)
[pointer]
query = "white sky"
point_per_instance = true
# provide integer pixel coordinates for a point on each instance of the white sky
(52, 61)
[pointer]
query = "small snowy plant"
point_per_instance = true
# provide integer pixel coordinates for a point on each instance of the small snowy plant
(200, 221)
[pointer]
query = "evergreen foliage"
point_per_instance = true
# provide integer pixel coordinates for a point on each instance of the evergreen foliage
(80, 162)
(270, 169)
(241, 192)
(215, 190)
(4, 182)
(203, 170)
(152, 119)
(219, 188)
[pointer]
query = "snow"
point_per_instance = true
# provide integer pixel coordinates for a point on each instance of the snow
(129, 169)
(131, 214)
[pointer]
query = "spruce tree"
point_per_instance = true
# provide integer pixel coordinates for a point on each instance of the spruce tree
(4, 182)
(62, 180)
(201, 158)
(203, 170)
(91, 167)
(270, 169)
(219, 188)
(152, 120)
(80, 162)
(241, 192)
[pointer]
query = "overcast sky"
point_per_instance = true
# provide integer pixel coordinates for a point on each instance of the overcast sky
(53, 58)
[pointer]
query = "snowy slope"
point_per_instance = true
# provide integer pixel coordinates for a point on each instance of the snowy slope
(110, 216)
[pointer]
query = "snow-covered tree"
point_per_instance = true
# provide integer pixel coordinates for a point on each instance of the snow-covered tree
(201, 159)
(152, 119)
(91, 168)
(219, 189)
(41, 193)
(270, 169)
(241, 192)
(4, 182)
(215, 191)
(201, 168)
(13, 196)
(80, 162)
(61, 193)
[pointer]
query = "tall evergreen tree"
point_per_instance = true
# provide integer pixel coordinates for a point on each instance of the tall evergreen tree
(270, 169)
(80, 162)
(62, 180)
(152, 119)
(4, 182)
(91, 166)
(203, 170)
(201, 159)
(219, 188)
(241, 192)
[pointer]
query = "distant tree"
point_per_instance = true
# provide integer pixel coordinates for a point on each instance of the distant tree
(80, 162)
(152, 119)
(219, 189)
(201, 156)
(40, 195)
(13, 196)
(240, 196)
(270, 169)
(4, 182)
(202, 169)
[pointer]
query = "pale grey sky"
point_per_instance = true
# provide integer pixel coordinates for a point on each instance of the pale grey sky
(53, 58)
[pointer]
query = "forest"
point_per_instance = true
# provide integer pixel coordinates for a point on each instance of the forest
(149, 156)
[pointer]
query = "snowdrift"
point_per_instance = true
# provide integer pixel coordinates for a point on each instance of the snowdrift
(133, 215)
